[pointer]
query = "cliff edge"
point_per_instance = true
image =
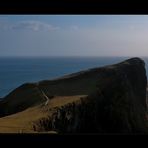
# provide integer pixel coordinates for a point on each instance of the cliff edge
(110, 99)
(118, 105)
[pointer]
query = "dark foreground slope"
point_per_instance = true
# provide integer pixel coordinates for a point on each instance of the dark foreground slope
(110, 99)
(31, 94)
(117, 106)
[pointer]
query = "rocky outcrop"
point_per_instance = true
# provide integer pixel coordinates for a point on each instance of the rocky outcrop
(115, 102)
(118, 105)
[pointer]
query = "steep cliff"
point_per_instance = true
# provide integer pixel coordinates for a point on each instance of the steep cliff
(110, 99)
(118, 105)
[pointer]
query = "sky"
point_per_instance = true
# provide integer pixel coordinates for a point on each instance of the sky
(73, 35)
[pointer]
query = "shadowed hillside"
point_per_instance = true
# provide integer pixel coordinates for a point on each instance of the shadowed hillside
(110, 99)
(30, 94)
(117, 106)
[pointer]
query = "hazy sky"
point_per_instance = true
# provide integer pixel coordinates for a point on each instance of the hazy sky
(73, 35)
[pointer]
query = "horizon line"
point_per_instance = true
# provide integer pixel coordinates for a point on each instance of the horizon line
(64, 56)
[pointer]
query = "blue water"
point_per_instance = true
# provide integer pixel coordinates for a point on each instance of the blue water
(16, 71)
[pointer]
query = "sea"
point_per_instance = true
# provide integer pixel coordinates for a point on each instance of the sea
(14, 71)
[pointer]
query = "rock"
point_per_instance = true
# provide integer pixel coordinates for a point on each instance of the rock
(118, 105)
(115, 102)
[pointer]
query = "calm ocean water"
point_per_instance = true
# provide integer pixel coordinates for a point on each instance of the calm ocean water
(16, 71)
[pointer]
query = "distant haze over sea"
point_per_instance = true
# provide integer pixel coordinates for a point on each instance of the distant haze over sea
(14, 71)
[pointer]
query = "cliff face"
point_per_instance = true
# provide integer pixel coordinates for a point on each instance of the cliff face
(118, 105)
(114, 102)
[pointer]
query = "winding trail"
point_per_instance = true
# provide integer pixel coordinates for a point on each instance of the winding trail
(45, 96)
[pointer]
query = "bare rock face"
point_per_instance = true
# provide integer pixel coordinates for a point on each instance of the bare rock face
(118, 105)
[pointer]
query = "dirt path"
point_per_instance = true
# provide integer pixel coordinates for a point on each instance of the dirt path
(47, 99)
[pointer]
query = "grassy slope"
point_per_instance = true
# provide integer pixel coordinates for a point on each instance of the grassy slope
(29, 94)
(66, 90)
(22, 122)
(24, 104)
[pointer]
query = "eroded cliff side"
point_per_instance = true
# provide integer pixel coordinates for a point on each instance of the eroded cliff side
(118, 105)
